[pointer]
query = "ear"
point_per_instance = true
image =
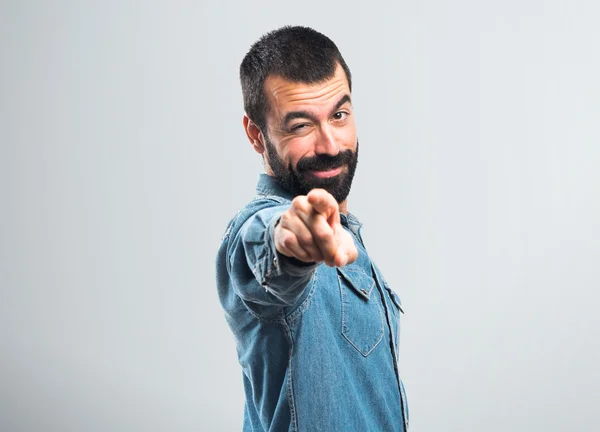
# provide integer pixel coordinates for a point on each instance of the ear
(254, 135)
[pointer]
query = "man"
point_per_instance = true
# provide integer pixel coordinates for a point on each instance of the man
(315, 322)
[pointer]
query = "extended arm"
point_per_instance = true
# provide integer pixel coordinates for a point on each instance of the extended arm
(280, 247)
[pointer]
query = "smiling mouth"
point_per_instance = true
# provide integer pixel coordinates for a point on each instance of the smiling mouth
(326, 173)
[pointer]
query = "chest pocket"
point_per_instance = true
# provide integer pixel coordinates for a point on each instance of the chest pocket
(362, 314)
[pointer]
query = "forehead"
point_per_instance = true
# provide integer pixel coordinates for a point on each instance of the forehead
(284, 95)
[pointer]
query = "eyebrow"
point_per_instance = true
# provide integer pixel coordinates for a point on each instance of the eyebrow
(307, 115)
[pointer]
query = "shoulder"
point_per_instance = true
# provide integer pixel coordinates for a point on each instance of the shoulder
(257, 204)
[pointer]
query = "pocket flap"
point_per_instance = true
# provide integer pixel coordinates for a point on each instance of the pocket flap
(395, 297)
(361, 282)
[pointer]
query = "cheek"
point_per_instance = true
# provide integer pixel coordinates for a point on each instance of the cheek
(348, 138)
(298, 148)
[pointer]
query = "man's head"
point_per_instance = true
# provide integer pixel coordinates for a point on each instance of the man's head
(296, 89)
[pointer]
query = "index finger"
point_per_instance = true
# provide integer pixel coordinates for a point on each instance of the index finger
(324, 203)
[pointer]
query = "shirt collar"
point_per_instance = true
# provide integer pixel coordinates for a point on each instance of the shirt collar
(268, 185)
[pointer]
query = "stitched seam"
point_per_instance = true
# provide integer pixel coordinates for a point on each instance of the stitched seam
(343, 309)
(395, 297)
(269, 197)
(359, 270)
(371, 289)
(262, 319)
(258, 317)
(341, 285)
(290, 388)
(293, 316)
(404, 405)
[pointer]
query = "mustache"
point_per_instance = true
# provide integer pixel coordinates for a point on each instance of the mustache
(324, 162)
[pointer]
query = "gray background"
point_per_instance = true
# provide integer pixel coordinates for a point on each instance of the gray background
(123, 157)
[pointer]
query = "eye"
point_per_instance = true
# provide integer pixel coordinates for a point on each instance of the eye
(340, 115)
(298, 127)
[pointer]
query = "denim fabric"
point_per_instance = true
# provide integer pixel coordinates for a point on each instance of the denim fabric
(318, 346)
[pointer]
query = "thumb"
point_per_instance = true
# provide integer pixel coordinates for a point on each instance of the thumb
(346, 252)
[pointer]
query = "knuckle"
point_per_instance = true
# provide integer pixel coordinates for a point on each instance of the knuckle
(316, 253)
(282, 237)
(279, 245)
(323, 234)
(285, 217)
(288, 240)
(299, 203)
(305, 239)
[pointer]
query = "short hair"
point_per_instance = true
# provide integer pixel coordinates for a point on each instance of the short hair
(298, 54)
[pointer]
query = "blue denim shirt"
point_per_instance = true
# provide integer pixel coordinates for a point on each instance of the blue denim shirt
(318, 345)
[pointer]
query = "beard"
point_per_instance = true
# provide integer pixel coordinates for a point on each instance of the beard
(300, 180)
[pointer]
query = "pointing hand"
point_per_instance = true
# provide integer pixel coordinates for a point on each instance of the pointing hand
(310, 231)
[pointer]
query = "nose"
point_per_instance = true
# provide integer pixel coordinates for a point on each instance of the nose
(326, 142)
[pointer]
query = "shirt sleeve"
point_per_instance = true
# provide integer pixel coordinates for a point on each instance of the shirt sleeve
(259, 273)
